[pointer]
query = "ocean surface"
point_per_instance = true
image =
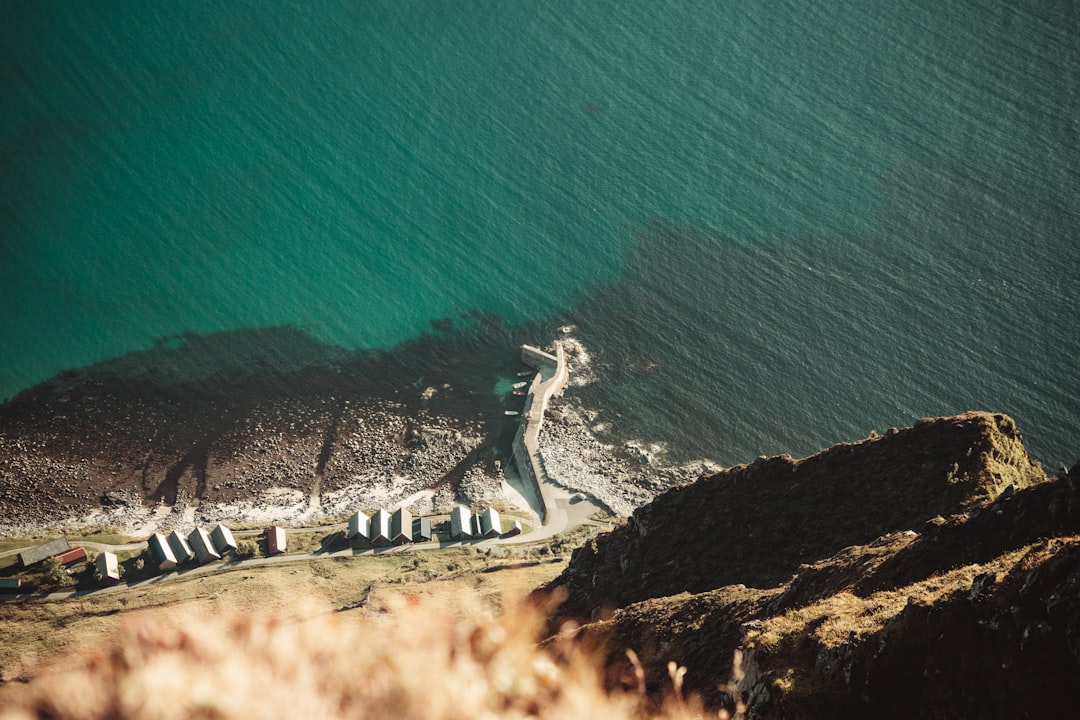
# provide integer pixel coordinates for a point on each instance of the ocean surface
(775, 225)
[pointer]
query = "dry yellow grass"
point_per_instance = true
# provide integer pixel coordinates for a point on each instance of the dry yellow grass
(35, 632)
(837, 618)
(805, 633)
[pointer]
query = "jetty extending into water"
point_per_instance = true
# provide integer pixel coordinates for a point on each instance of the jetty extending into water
(550, 379)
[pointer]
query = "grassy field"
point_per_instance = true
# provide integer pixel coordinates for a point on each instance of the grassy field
(37, 632)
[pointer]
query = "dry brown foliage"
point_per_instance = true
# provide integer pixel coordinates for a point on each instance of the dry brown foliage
(452, 656)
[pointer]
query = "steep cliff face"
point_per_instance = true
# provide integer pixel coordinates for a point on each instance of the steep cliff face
(974, 616)
(964, 602)
(755, 525)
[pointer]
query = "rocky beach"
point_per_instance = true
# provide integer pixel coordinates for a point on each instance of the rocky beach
(141, 456)
(583, 454)
(274, 464)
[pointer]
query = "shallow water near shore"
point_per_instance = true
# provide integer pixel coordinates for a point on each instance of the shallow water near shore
(775, 228)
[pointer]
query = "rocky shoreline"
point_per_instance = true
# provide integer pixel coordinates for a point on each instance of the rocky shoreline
(269, 468)
(584, 455)
(86, 455)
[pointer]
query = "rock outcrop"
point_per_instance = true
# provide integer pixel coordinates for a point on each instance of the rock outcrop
(934, 572)
(756, 524)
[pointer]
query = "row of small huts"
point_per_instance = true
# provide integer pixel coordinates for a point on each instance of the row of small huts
(487, 524)
(385, 528)
(166, 552)
(380, 528)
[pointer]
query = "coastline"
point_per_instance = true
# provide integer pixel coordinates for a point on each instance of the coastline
(303, 460)
(268, 474)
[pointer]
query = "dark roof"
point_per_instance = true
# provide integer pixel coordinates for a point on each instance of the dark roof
(160, 552)
(421, 529)
(202, 545)
(401, 526)
(222, 538)
(180, 546)
(275, 540)
(36, 554)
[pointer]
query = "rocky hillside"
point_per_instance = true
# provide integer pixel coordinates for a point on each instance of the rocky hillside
(757, 524)
(953, 593)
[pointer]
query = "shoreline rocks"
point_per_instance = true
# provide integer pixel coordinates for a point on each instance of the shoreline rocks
(144, 458)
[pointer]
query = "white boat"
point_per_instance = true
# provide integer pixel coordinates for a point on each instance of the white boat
(520, 385)
(511, 412)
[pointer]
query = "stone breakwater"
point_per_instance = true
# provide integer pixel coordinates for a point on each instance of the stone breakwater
(549, 381)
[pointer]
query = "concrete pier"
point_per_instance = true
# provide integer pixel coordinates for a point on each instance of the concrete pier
(550, 379)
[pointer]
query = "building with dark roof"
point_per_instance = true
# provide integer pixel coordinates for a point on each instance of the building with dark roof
(223, 540)
(181, 547)
(161, 555)
(401, 526)
(203, 546)
(35, 555)
(421, 529)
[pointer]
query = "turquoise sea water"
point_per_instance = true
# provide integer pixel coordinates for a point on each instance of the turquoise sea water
(778, 225)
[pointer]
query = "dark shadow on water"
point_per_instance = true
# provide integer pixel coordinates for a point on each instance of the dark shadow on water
(285, 361)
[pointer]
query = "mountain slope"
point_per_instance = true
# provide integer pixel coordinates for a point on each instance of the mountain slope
(955, 592)
(756, 524)
(976, 616)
